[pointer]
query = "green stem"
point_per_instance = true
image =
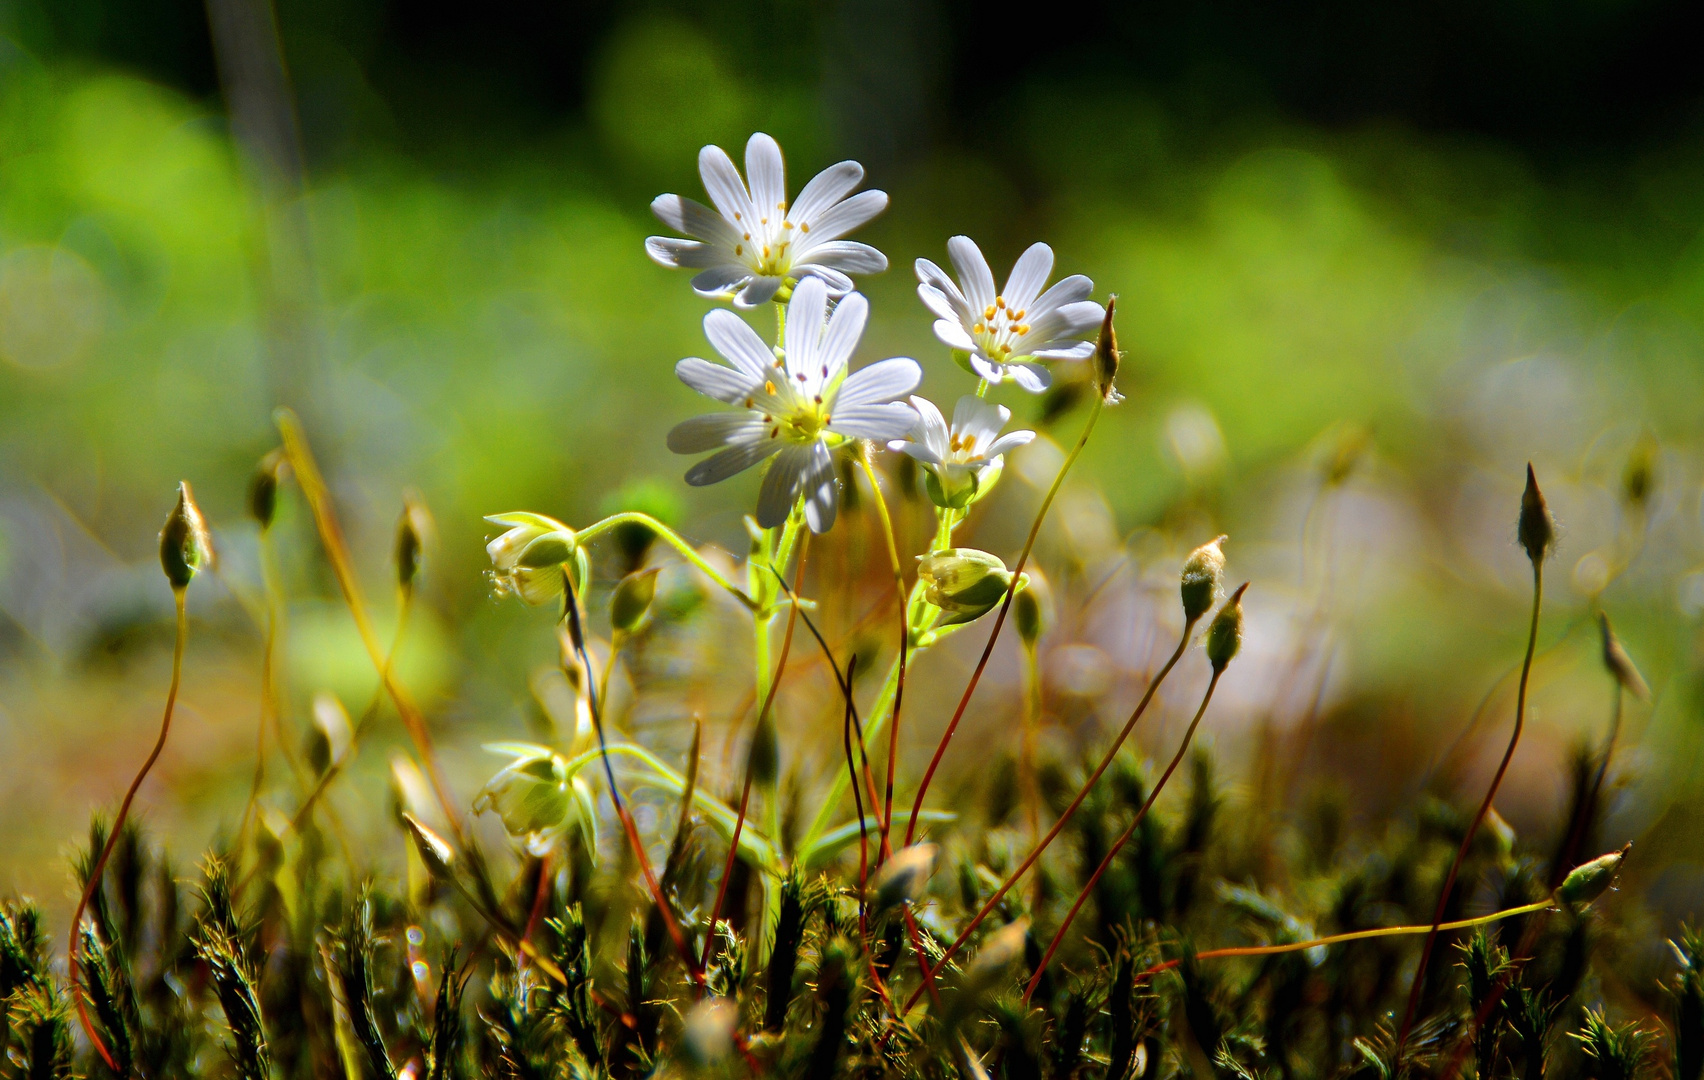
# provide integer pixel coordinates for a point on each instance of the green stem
(674, 540)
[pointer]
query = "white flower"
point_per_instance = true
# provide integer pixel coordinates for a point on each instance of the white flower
(959, 455)
(1005, 333)
(755, 241)
(796, 408)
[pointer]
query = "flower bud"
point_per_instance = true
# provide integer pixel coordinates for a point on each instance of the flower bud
(185, 546)
(1107, 357)
(1620, 665)
(903, 876)
(1032, 609)
(412, 530)
(1203, 577)
(528, 559)
(963, 582)
(531, 795)
(263, 489)
(1590, 880)
(632, 599)
(1224, 636)
(434, 850)
(1537, 529)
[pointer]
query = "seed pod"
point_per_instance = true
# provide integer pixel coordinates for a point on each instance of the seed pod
(185, 546)
(434, 850)
(528, 559)
(963, 582)
(263, 489)
(412, 530)
(1224, 636)
(632, 599)
(1620, 665)
(1107, 357)
(1537, 529)
(1590, 880)
(1203, 577)
(902, 879)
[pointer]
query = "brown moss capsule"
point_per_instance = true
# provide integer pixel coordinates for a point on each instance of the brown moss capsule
(1590, 880)
(1203, 576)
(185, 546)
(1107, 357)
(413, 529)
(263, 489)
(1537, 529)
(1224, 637)
(1620, 665)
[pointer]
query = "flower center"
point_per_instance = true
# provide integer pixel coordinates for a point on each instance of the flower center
(765, 244)
(1000, 330)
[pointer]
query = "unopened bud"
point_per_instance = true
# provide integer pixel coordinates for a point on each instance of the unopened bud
(963, 582)
(1537, 529)
(1588, 881)
(1203, 577)
(1224, 636)
(434, 850)
(529, 558)
(1107, 357)
(413, 529)
(902, 878)
(263, 489)
(632, 599)
(1032, 609)
(185, 546)
(1620, 665)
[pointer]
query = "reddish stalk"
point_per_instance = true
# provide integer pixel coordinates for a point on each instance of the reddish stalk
(886, 848)
(541, 893)
(1123, 838)
(99, 867)
(745, 790)
(1478, 818)
(999, 620)
(1064, 819)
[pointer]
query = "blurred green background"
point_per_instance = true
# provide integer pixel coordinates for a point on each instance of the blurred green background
(1436, 240)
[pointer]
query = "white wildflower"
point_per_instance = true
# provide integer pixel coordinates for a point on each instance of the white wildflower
(756, 242)
(960, 456)
(796, 408)
(1007, 333)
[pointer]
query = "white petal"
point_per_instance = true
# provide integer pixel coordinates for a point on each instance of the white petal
(767, 176)
(781, 484)
(880, 422)
(937, 303)
(1028, 276)
(712, 431)
(975, 279)
(825, 189)
(884, 380)
(979, 418)
(721, 279)
(735, 459)
(695, 220)
(844, 216)
(805, 314)
(1032, 377)
(821, 489)
(986, 368)
(723, 184)
(1071, 320)
(930, 274)
(931, 428)
(691, 254)
(1008, 442)
(758, 292)
(714, 380)
(739, 343)
(953, 335)
(1071, 290)
(845, 327)
(846, 255)
(1064, 350)
(838, 284)
(915, 449)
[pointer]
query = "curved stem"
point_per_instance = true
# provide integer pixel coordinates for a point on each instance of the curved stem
(99, 866)
(1123, 838)
(1484, 808)
(674, 540)
(1083, 793)
(1000, 620)
(904, 644)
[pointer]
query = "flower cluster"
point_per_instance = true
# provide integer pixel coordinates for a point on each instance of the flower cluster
(797, 403)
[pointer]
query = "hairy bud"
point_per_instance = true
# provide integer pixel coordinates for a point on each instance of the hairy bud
(185, 546)
(1537, 529)
(632, 599)
(263, 489)
(1224, 636)
(1203, 577)
(1107, 357)
(1590, 880)
(1620, 665)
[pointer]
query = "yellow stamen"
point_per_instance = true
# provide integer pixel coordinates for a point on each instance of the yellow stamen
(769, 387)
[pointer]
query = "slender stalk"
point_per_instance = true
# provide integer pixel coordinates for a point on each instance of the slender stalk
(904, 643)
(1026, 755)
(1065, 818)
(1123, 838)
(745, 789)
(1354, 935)
(1484, 808)
(1000, 619)
(99, 867)
(674, 540)
(337, 551)
(872, 726)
